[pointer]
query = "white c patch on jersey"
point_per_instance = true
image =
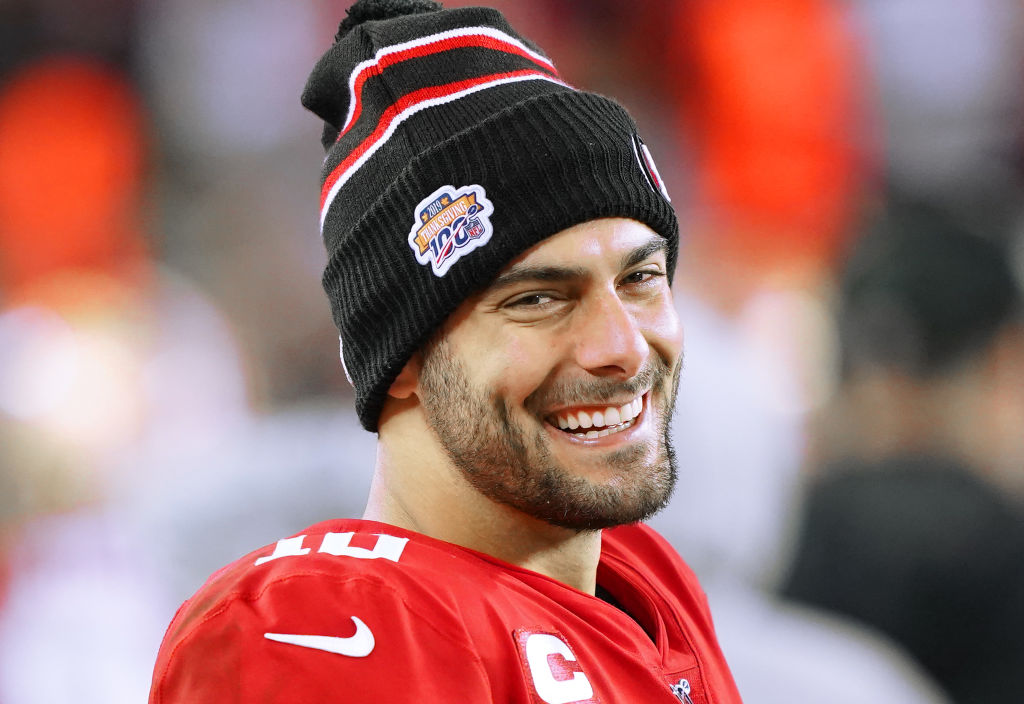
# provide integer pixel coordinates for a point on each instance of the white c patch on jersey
(556, 674)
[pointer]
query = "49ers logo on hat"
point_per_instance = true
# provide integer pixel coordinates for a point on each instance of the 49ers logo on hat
(450, 223)
(643, 156)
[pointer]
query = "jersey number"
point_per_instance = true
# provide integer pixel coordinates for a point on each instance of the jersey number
(387, 546)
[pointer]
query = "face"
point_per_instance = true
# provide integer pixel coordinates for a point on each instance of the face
(552, 390)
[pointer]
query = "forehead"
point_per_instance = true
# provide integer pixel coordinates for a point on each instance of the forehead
(591, 249)
(607, 241)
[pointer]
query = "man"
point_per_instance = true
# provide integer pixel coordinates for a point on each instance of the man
(500, 250)
(913, 526)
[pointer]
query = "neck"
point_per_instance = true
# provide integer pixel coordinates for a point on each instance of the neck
(416, 487)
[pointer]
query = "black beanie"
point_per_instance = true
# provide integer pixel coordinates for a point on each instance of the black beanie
(452, 147)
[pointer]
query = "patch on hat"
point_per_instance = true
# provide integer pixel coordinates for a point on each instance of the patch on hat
(449, 224)
(643, 156)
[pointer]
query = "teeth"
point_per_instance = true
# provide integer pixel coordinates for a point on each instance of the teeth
(610, 419)
(591, 434)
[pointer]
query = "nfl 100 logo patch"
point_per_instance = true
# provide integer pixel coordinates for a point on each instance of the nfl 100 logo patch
(450, 223)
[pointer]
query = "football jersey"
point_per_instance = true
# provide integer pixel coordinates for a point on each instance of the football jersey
(359, 611)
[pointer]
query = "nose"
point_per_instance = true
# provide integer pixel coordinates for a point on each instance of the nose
(609, 339)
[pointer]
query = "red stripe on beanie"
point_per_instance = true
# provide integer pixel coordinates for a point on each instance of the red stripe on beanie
(458, 42)
(408, 102)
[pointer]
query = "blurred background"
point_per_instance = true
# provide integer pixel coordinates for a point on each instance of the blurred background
(848, 176)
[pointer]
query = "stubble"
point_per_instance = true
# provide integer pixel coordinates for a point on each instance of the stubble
(512, 466)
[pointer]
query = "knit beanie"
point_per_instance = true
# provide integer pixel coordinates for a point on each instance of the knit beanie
(452, 147)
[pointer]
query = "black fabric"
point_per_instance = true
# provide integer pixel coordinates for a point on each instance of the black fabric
(926, 552)
(547, 156)
(367, 10)
(607, 597)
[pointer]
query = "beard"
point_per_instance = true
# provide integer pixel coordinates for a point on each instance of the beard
(516, 467)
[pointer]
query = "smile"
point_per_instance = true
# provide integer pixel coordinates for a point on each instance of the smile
(600, 422)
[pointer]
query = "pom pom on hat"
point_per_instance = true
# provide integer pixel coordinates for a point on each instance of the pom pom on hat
(367, 10)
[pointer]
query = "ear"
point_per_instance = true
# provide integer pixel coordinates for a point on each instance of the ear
(407, 381)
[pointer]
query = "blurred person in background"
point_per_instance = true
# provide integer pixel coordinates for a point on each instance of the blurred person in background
(914, 524)
(739, 431)
(108, 361)
(128, 430)
(78, 607)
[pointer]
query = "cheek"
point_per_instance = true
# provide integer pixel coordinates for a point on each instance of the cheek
(517, 352)
(521, 363)
(664, 330)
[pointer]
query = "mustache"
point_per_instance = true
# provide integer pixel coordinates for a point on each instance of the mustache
(654, 374)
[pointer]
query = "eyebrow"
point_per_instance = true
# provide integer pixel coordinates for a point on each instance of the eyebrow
(520, 274)
(656, 244)
(555, 274)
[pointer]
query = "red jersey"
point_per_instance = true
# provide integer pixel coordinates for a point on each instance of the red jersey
(358, 611)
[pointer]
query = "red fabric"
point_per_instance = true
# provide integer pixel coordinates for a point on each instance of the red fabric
(71, 168)
(448, 624)
(775, 94)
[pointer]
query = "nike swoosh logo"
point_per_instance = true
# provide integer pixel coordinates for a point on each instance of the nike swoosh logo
(356, 646)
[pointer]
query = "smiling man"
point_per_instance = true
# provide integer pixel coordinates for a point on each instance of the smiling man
(500, 249)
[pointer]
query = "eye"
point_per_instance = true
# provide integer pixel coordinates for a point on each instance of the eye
(530, 300)
(531, 307)
(642, 277)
